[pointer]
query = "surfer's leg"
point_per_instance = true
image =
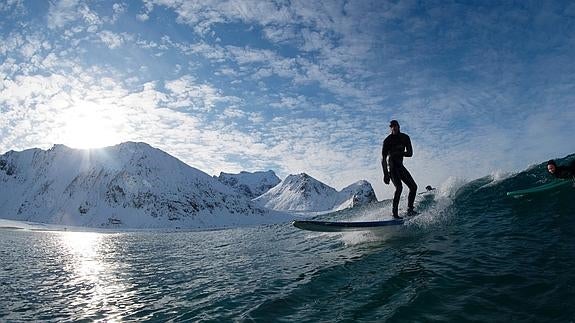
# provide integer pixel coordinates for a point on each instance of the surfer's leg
(408, 180)
(396, 180)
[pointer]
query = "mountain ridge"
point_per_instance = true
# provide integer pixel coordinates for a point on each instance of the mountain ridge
(250, 184)
(133, 184)
(130, 184)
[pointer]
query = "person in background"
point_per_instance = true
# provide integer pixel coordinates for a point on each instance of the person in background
(563, 172)
(396, 146)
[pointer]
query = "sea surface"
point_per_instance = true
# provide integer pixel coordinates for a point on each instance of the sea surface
(473, 254)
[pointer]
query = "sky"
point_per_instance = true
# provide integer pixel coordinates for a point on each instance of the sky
(481, 87)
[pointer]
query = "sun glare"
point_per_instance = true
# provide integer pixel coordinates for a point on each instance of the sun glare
(90, 127)
(90, 272)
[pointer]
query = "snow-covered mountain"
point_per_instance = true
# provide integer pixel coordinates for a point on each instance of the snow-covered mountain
(249, 184)
(358, 193)
(128, 185)
(303, 193)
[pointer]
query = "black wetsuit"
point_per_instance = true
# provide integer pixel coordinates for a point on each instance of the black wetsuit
(565, 171)
(396, 147)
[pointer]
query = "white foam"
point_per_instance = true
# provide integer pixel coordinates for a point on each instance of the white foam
(497, 177)
(427, 219)
(451, 186)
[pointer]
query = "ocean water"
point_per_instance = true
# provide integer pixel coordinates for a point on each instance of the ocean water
(473, 254)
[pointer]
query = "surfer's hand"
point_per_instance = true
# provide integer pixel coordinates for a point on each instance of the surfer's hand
(386, 179)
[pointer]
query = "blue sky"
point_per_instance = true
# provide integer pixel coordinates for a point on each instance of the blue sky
(481, 87)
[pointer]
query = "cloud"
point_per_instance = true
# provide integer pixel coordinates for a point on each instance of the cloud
(62, 12)
(203, 15)
(188, 94)
(143, 17)
(327, 24)
(119, 10)
(214, 53)
(111, 39)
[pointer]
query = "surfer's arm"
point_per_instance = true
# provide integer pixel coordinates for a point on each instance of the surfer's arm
(384, 152)
(384, 166)
(408, 149)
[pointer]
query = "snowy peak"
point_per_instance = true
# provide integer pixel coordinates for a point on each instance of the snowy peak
(299, 193)
(249, 184)
(303, 193)
(132, 184)
(358, 193)
(307, 186)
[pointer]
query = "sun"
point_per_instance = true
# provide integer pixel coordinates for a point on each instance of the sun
(88, 126)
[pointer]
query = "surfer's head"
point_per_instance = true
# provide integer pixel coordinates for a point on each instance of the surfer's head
(394, 127)
(551, 166)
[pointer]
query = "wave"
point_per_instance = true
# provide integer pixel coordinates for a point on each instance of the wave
(464, 203)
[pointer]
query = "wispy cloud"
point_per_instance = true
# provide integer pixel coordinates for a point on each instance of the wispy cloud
(62, 12)
(111, 39)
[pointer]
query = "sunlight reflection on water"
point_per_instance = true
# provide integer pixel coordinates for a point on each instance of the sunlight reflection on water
(91, 276)
(84, 248)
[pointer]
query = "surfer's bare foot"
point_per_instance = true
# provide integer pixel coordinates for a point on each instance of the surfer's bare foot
(397, 217)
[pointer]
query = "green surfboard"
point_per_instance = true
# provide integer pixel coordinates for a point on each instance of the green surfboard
(542, 188)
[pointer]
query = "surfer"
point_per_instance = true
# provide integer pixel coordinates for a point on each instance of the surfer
(396, 146)
(561, 171)
(428, 190)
